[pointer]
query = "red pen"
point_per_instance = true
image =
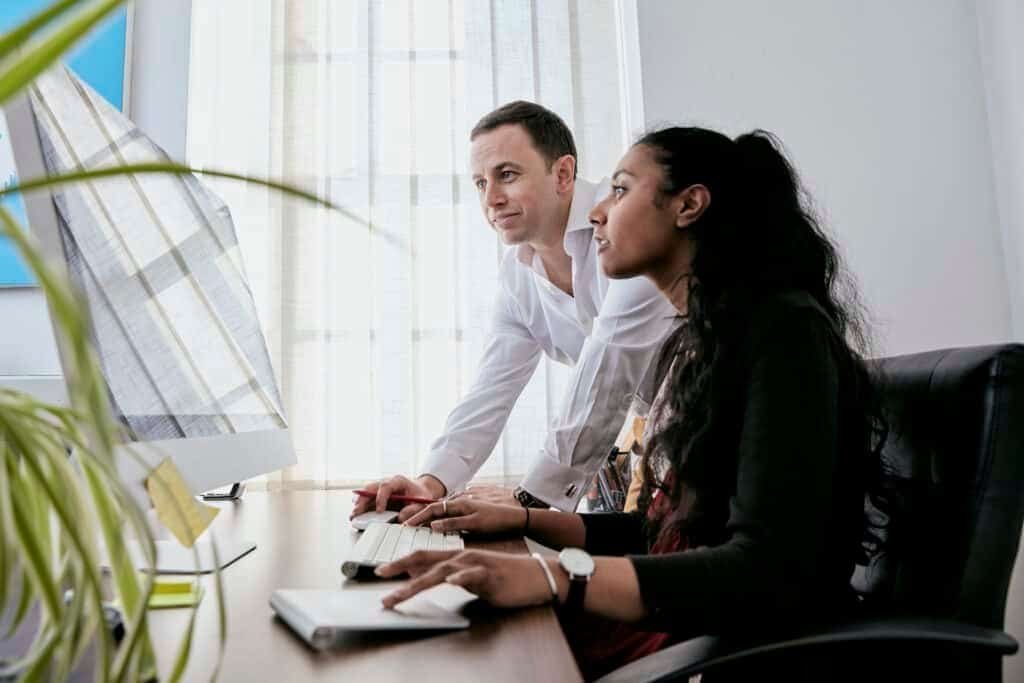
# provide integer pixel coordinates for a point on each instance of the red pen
(401, 499)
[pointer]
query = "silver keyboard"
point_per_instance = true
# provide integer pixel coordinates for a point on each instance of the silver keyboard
(383, 543)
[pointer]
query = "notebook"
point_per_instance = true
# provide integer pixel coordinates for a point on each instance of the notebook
(320, 617)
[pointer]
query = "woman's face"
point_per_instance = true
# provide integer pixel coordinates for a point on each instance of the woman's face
(634, 235)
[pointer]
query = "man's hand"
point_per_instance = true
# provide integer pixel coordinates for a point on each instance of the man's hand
(422, 487)
(491, 494)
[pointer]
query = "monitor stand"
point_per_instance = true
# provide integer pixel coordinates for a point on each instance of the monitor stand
(174, 558)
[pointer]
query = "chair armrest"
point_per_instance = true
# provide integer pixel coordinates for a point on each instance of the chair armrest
(700, 654)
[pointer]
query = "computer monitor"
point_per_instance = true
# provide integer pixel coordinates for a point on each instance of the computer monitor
(156, 257)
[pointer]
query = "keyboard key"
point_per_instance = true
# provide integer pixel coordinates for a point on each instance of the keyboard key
(386, 551)
(422, 539)
(382, 543)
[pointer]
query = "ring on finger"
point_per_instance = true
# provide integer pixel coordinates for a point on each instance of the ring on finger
(444, 507)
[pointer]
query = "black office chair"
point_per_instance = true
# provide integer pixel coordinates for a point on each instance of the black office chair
(934, 602)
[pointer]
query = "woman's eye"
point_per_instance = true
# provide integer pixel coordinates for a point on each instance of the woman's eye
(479, 184)
(618, 190)
(508, 175)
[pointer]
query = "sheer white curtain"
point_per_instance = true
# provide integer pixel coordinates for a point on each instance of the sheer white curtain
(369, 104)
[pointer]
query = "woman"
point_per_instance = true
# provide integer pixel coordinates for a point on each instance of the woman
(763, 440)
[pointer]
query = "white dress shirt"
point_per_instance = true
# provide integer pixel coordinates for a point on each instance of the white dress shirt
(609, 330)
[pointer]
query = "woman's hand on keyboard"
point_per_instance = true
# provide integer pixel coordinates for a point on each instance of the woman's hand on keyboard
(502, 579)
(469, 514)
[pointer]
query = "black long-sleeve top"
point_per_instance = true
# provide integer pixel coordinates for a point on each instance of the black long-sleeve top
(787, 415)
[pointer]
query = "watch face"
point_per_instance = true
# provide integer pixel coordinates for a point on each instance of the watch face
(576, 562)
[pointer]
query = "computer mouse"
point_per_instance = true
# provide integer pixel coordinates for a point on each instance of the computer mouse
(364, 520)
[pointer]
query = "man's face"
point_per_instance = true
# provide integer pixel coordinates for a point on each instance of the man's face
(518, 194)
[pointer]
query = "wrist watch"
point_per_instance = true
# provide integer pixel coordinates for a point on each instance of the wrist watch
(527, 499)
(579, 565)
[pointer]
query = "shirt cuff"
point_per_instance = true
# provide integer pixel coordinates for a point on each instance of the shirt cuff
(558, 485)
(449, 469)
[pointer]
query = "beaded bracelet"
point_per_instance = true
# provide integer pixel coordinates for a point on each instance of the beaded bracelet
(547, 573)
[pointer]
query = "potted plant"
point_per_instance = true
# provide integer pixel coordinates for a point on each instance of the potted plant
(59, 488)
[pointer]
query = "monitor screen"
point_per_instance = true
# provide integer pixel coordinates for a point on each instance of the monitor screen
(157, 259)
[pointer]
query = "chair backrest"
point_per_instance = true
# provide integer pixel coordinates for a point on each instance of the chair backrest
(956, 450)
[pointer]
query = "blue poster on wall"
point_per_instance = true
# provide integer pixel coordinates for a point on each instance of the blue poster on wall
(100, 61)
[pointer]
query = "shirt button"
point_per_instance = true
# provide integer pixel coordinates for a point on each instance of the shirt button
(570, 490)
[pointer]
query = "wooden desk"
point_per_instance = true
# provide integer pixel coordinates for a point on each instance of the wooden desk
(301, 538)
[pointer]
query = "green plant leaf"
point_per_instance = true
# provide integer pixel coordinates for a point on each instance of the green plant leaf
(57, 291)
(222, 616)
(24, 601)
(17, 579)
(163, 168)
(181, 660)
(69, 508)
(36, 665)
(178, 169)
(69, 631)
(87, 631)
(38, 58)
(82, 375)
(6, 566)
(184, 648)
(96, 419)
(20, 34)
(36, 565)
(125, 576)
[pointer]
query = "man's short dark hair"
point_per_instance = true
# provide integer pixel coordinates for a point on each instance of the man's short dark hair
(550, 136)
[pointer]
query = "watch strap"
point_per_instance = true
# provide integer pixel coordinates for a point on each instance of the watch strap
(577, 592)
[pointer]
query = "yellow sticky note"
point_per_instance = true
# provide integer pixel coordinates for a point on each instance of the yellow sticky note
(175, 506)
(171, 593)
(175, 593)
(168, 600)
(164, 586)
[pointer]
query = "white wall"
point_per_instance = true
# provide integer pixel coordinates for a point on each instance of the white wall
(882, 108)
(904, 120)
(1000, 28)
(158, 104)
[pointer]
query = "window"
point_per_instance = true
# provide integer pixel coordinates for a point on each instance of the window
(376, 333)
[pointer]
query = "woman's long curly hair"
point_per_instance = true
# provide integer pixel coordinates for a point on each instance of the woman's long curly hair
(758, 235)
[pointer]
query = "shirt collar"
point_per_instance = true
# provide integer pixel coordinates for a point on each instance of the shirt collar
(584, 197)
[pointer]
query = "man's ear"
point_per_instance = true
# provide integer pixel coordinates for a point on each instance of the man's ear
(691, 204)
(564, 169)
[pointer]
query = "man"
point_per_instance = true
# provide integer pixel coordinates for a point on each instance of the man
(554, 299)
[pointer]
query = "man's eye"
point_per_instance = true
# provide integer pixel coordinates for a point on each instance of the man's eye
(480, 184)
(508, 175)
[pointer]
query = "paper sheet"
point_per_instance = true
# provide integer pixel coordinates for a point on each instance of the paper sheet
(442, 600)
